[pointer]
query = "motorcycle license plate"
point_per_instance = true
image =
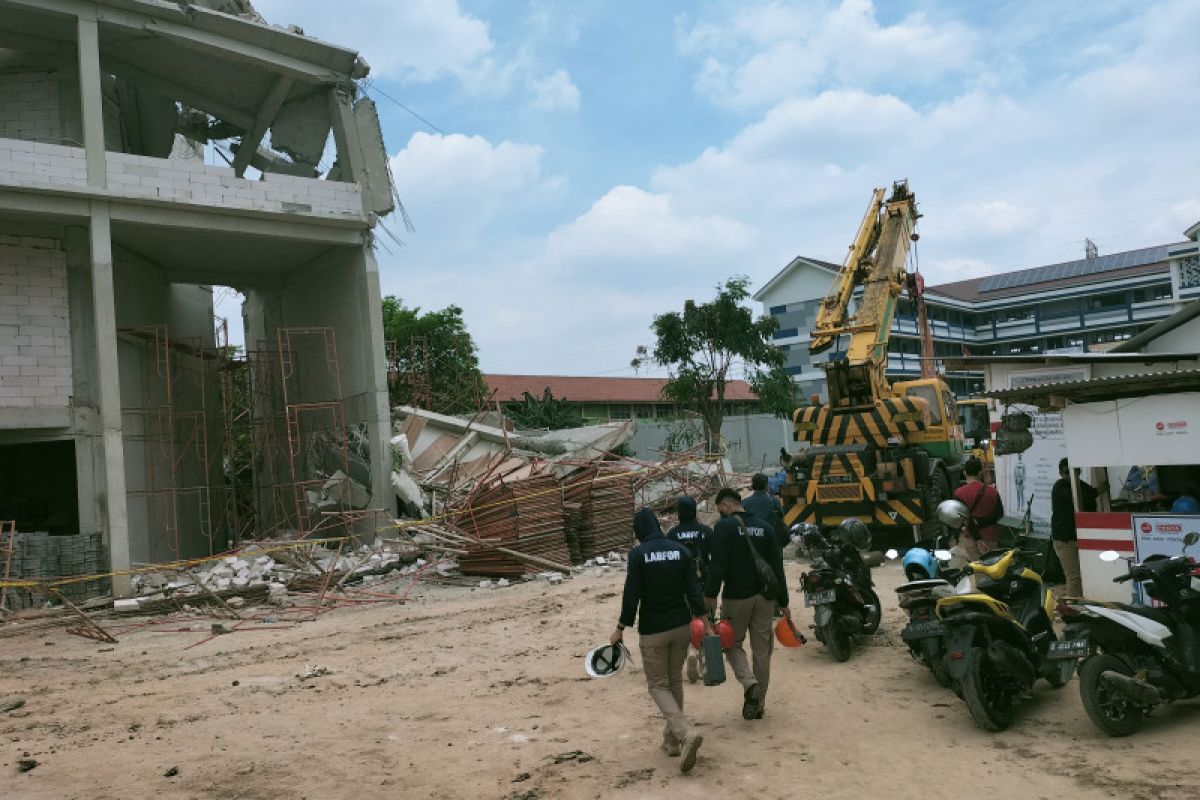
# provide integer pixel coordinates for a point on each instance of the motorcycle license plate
(922, 630)
(1069, 648)
(820, 598)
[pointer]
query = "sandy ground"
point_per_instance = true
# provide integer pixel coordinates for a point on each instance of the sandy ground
(482, 694)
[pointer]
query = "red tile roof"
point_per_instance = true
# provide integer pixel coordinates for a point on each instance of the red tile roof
(597, 390)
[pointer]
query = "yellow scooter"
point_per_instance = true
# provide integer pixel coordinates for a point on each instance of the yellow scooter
(997, 637)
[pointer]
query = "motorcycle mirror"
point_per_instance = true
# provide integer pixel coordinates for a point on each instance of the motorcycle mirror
(1191, 539)
(892, 554)
(943, 555)
(1109, 555)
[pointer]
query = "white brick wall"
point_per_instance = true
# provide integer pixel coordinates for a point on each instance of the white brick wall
(29, 106)
(193, 182)
(35, 333)
(35, 164)
(41, 165)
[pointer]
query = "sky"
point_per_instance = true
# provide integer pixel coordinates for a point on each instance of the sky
(581, 166)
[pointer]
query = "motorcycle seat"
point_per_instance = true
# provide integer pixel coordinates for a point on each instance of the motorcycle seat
(1159, 615)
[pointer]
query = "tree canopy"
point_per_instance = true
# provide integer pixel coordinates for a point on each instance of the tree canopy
(546, 411)
(438, 340)
(700, 346)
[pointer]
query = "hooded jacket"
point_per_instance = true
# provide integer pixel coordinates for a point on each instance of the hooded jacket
(692, 534)
(661, 588)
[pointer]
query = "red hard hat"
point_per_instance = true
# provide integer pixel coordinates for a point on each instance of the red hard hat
(785, 633)
(724, 629)
(697, 632)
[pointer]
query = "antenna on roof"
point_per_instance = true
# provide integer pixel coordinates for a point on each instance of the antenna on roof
(1090, 250)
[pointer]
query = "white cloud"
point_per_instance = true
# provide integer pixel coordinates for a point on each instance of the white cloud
(418, 40)
(1008, 174)
(555, 92)
(633, 231)
(455, 187)
(770, 51)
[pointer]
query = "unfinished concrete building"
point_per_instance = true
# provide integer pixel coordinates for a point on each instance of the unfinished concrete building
(122, 413)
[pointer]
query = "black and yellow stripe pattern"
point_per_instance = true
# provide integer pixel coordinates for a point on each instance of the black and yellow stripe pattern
(889, 418)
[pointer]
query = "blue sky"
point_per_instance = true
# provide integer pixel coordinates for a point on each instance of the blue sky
(601, 162)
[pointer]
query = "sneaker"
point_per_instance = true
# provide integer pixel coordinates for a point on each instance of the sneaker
(670, 745)
(752, 700)
(693, 668)
(691, 746)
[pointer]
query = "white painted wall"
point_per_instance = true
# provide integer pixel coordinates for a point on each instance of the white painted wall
(804, 282)
(35, 334)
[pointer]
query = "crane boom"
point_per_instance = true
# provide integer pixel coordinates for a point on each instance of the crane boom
(876, 263)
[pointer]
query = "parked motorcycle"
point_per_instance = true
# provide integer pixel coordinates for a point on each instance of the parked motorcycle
(933, 574)
(998, 636)
(838, 586)
(1135, 657)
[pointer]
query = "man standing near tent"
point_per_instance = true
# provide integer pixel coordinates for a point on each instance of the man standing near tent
(663, 592)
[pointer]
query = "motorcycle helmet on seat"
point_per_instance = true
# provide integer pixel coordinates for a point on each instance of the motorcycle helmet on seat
(919, 564)
(953, 513)
(853, 531)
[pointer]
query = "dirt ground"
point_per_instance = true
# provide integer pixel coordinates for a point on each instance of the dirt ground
(482, 694)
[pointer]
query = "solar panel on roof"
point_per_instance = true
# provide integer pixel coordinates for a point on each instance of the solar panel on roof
(1073, 269)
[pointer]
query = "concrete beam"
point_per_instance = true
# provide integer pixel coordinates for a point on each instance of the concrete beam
(116, 518)
(345, 136)
(262, 120)
(380, 429)
(225, 112)
(187, 36)
(275, 225)
(92, 98)
(13, 418)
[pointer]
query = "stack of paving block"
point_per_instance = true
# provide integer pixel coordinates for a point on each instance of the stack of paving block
(38, 554)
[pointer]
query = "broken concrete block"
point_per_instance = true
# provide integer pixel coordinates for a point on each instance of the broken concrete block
(130, 604)
(236, 602)
(502, 583)
(485, 584)
(601, 561)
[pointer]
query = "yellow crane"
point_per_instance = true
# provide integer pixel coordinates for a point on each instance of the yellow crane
(879, 452)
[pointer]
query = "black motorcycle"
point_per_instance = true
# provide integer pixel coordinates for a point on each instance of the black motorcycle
(838, 587)
(1136, 658)
(933, 573)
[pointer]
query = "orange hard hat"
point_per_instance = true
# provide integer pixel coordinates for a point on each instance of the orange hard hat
(724, 629)
(697, 632)
(786, 633)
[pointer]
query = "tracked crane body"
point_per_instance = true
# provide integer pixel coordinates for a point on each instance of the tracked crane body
(883, 453)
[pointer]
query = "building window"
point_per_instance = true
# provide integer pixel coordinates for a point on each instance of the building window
(644, 412)
(1189, 272)
(1106, 301)
(786, 333)
(777, 310)
(1163, 291)
(1139, 295)
(1017, 314)
(618, 412)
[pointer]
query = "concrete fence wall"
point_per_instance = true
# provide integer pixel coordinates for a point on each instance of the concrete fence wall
(751, 440)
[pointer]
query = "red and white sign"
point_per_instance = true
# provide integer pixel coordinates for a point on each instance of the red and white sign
(1100, 531)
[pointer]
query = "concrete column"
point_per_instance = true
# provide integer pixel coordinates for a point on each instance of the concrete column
(89, 462)
(380, 427)
(116, 518)
(91, 101)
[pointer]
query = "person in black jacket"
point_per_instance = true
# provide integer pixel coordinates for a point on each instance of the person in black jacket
(695, 536)
(762, 504)
(662, 590)
(742, 603)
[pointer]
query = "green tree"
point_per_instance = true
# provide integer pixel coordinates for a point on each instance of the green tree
(449, 355)
(546, 411)
(702, 344)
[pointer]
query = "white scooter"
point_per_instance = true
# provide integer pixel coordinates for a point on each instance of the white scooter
(1136, 657)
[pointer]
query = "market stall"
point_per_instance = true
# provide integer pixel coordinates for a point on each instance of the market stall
(1143, 430)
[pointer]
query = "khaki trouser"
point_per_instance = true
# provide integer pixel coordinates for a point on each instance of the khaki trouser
(663, 655)
(1068, 556)
(752, 616)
